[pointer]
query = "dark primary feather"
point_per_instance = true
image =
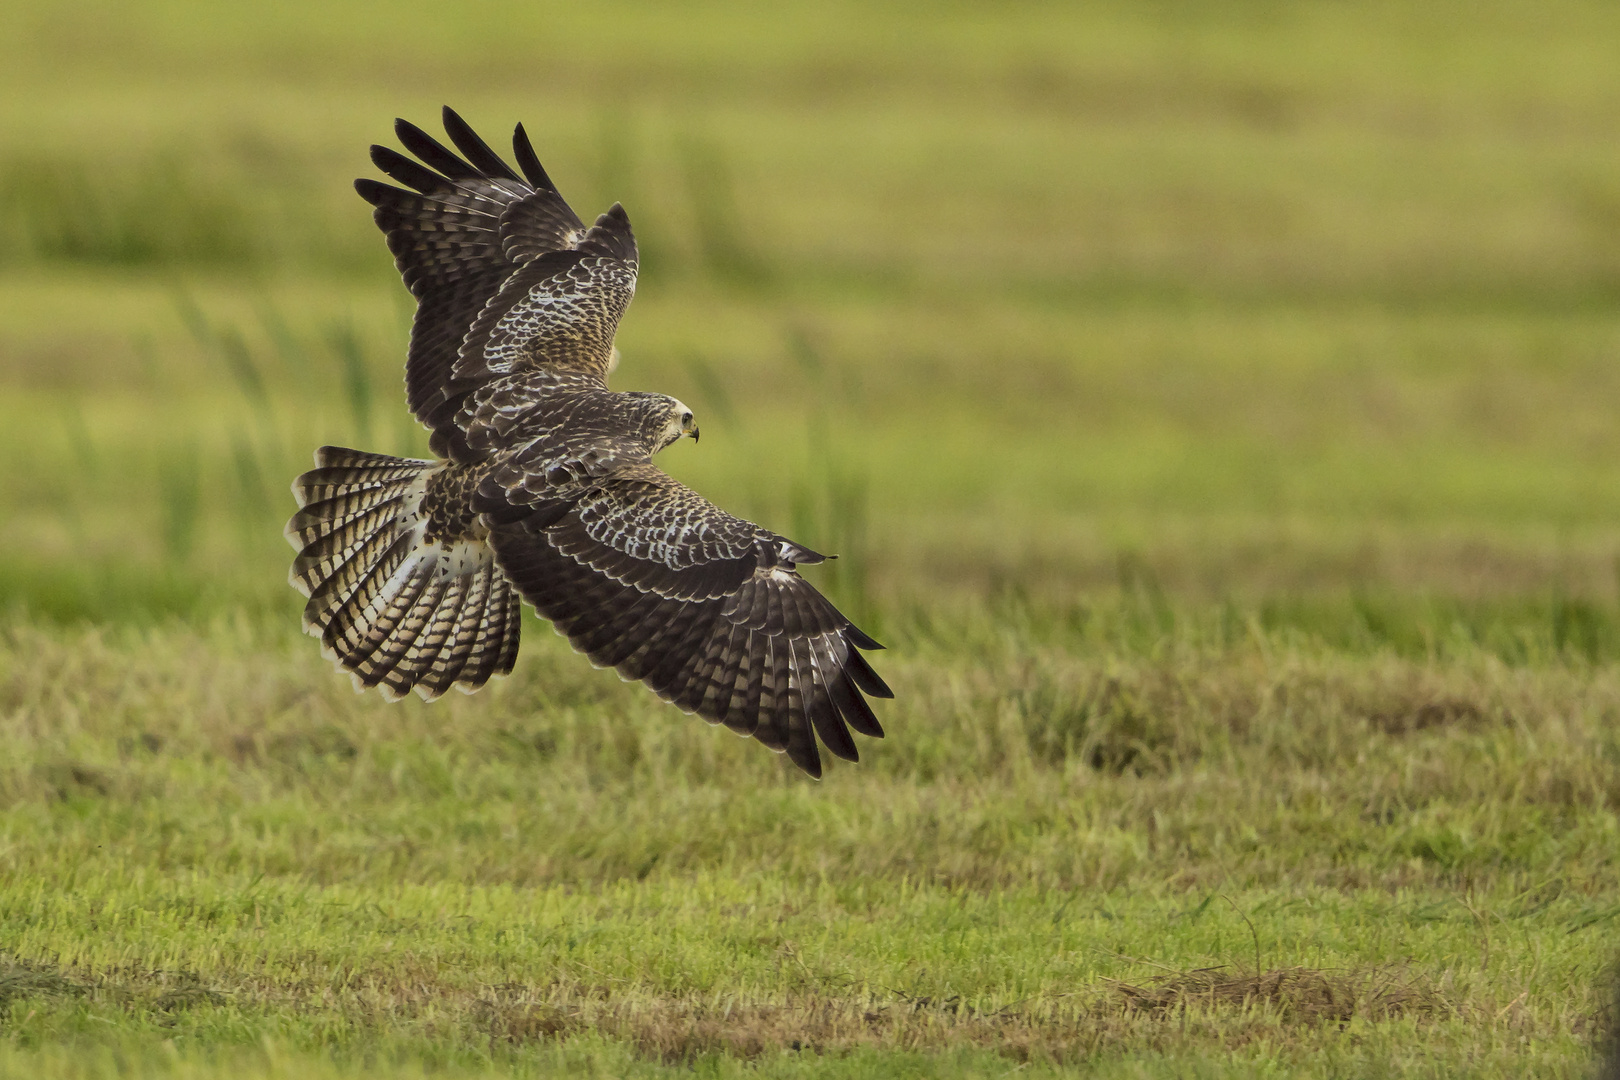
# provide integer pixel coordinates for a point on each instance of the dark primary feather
(523, 150)
(476, 149)
(432, 152)
(422, 180)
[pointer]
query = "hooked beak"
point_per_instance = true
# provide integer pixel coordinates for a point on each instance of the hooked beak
(694, 434)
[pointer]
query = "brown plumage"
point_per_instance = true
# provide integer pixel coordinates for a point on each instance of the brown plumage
(545, 486)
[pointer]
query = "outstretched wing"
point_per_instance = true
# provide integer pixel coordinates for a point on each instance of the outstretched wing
(505, 275)
(646, 576)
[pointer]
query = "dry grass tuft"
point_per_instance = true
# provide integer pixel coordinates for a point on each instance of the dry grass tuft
(22, 979)
(1443, 712)
(1607, 1025)
(1242, 1007)
(159, 990)
(1295, 994)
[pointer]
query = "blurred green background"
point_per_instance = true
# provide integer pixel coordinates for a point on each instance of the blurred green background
(1214, 405)
(1252, 298)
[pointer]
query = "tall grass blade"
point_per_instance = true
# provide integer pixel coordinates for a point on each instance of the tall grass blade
(249, 475)
(616, 175)
(807, 354)
(830, 504)
(146, 358)
(66, 506)
(226, 344)
(181, 487)
(254, 510)
(290, 351)
(849, 499)
(715, 395)
(193, 319)
(715, 216)
(346, 346)
(232, 348)
(79, 438)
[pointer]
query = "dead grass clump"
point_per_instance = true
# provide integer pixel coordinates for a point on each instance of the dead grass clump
(1296, 994)
(1131, 727)
(1405, 698)
(24, 979)
(72, 779)
(749, 1031)
(292, 749)
(1140, 722)
(160, 990)
(670, 1030)
(673, 1031)
(182, 990)
(1607, 1042)
(1233, 1008)
(1418, 714)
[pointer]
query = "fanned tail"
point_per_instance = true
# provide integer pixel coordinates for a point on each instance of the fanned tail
(393, 607)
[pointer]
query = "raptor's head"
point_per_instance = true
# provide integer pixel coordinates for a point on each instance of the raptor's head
(678, 423)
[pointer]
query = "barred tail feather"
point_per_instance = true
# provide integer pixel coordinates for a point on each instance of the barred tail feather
(393, 609)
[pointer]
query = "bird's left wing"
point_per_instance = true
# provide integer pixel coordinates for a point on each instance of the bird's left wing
(505, 274)
(646, 576)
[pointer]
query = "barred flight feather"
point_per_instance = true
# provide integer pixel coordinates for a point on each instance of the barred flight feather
(393, 607)
(446, 669)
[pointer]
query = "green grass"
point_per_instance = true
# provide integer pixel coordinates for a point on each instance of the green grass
(213, 842)
(1213, 405)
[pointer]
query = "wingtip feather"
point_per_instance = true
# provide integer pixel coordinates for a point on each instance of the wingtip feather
(433, 153)
(477, 150)
(529, 161)
(860, 638)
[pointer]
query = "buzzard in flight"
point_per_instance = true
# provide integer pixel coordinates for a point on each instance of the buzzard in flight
(544, 486)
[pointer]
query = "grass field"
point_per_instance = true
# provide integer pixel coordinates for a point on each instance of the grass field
(1213, 405)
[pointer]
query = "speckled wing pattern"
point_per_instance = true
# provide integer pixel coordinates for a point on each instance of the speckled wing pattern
(505, 274)
(560, 310)
(646, 576)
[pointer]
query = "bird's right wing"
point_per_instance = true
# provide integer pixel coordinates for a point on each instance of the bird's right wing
(505, 274)
(646, 576)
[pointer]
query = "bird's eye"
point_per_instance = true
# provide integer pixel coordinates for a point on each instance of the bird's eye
(686, 418)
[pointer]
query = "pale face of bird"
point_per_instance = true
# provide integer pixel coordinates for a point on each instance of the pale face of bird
(679, 424)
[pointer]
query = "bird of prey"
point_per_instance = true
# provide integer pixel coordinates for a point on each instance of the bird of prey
(544, 487)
